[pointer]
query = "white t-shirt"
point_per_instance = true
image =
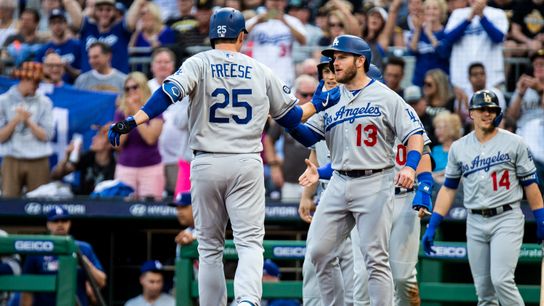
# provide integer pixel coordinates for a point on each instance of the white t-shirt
(477, 46)
(273, 44)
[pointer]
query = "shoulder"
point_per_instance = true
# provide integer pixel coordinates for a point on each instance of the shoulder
(462, 141)
(509, 135)
(135, 301)
(85, 247)
(166, 298)
(384, 93)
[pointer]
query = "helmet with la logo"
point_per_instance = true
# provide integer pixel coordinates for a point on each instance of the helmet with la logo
(350, 44)
(487, 99)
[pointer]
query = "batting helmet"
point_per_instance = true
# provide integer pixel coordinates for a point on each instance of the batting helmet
(487, 99)
(350, 44)
(323, 61)
(375, 73)
(226, 23)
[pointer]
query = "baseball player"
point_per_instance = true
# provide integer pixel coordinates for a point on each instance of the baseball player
(495, 167)
(320, 155)
(360, 131)
(231, 96)
(404, 240)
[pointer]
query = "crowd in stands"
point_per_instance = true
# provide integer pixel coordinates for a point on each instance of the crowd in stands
(434, 53)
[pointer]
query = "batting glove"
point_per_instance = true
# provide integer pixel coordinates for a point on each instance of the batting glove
(323, 100)
(422, 199)
(119, 128)
(428, 238)
(539, 216)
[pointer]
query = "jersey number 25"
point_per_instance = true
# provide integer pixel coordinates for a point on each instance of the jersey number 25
(236, 103)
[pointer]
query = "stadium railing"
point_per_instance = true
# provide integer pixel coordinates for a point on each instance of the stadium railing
(63, 283)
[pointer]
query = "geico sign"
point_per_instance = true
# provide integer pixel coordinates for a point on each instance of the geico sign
(289, 251)
(446, 251)
(39, 246)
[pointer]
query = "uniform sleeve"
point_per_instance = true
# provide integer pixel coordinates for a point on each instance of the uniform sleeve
(525, 165)
(280, 96)
(295, 23)
(186, 77)
(317, 124)
(404, 120)
(453, 168)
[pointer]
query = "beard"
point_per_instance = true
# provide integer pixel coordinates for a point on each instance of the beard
(349, 74)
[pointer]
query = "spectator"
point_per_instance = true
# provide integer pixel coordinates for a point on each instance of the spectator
(45, 9)
(527, 30)
(447, 129)
(413, 96)
(58, 224)
(9, 265)
(477, 34)
(285, 173)
(526, 103)
(103, 27)
(8, 25)
(25, 43)
(94, 166)
(340, 21)
(271, 273)
(168, 8)
(186, 19)
(53, 69)
(394, 73)
(61, 43)
(427, 40)
(273, 34)
(184, 213)
(309, 67)
(152, 281)
(120, 11)
(533, 133)
(303, 12)
(477, 78)
(139, 161)
(406, 24)
(103, 77)
(26, 120)
(152, 33)
(198, 35)
(379, 31)
(438, 93)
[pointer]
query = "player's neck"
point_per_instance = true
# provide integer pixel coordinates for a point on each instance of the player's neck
(485, 135)
(358, 82)
(226, 47)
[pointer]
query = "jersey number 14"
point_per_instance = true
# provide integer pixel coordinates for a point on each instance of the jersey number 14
(504, 181)
(236, 103)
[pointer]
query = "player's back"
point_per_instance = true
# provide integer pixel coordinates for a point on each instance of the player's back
(231, 102)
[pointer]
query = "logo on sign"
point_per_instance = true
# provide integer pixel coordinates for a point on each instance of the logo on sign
(137, 210)
(35, 246)
(289, 252)
(449, 251)
(458, 213)
(33, 208)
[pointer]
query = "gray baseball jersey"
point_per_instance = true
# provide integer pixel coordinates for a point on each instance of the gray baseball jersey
(490, 170)
(369, 120)
(231, 96)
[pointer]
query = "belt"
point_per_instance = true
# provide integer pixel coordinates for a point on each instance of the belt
(197, 152)
(400, 190)
(361, 173)
(491, 211)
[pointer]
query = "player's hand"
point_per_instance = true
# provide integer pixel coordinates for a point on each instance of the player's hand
(310, 175)
(405, 178)
(184, 237)
(422, 200)
(323, 100)
(422, 212)
(119, 128)
(306, 209)
(428, 241)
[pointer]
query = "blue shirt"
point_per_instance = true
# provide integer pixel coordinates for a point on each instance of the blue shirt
(429, 57)
(166, 37)
(117, 38)
(69, 51)
(38, 264)
(440, 158)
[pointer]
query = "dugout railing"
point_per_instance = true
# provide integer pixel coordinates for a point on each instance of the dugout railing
(433, 290)
(63, 283)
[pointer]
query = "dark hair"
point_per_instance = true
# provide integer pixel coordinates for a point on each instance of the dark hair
(105, 49)
(33, 12)
(161, 50)
(475, 65)
(395, 61)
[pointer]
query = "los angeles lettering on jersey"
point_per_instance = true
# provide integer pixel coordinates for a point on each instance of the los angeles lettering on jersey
(230, 70)
(478, 163)
(350, 114)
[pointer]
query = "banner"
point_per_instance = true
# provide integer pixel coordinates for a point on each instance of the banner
(74, 111)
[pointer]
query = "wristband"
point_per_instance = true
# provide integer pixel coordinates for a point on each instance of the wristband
(412, 159)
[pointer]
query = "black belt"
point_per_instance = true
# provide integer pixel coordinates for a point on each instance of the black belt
(197, 152)
(360, 173)
(492, 211)
(400, 190)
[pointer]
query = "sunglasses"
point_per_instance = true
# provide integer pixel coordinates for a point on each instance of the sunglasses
(305, 94)
(129, 88)
(332, 25)
(428, 84)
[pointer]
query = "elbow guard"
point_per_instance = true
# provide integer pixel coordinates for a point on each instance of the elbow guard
(157, 103)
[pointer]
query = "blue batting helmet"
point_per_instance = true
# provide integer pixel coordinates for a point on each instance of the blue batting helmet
(375, 73)
(323, 61)
(487, 99)
(350, 44)
(226, 23)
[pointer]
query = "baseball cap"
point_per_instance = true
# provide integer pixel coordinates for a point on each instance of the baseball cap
(151, 266)
(29, 71)
(57, 13)
(99, 2)
(57, 213)
(412, 94)
(271, 268)
(380, 10)
(181, 200)
(204, 4)
(537, 54)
